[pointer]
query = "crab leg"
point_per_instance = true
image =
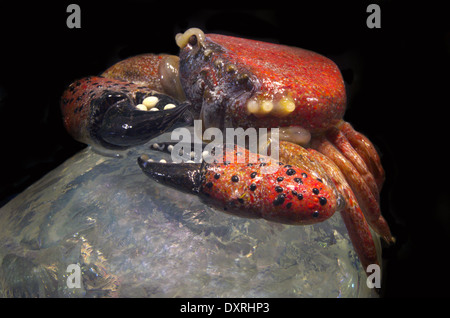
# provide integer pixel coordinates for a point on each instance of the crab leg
(338, 139)
(352, 215)
(366, 150)
(365, 198)
(357, 227)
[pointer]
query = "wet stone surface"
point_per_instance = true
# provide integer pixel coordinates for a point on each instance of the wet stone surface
(131, 237)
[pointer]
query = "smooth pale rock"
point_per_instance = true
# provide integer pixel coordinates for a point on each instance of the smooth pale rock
(131, 237)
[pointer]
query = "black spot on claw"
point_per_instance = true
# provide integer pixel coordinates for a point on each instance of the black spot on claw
(235, 178)
(322, 201)
(217, 176)
(315, 214)
(316, 191)
(290, 172)
(298, 180)
(252, 175)
(253, 187)
(240, 200)
(300, 196)
(320, 180)
(279, 179)
(278, 189)
(209, 185)
(304, 175)
(279, 200)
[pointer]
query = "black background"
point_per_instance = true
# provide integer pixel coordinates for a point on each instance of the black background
(397, 80)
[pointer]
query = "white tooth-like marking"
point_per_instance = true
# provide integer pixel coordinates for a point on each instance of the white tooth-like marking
(279, 107)
(207, 52)
(252, 106)
(266, 106)
(150, 101)
(149, 160)
(260, 108)
(192, 154)
(284, 107)
(205, 154)
(157, 146)
(190, 161)
(154, 109)
(170, 148)
(169, 106)
(163, 161)
(141, 107)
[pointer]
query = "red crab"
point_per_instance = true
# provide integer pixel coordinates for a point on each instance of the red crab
(324, 164)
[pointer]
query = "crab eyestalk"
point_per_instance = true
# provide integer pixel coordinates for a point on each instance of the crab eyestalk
(192, 36)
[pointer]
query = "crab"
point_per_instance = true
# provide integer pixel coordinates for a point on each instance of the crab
(323, 164)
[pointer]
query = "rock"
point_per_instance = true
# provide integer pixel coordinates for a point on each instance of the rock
(131, 237)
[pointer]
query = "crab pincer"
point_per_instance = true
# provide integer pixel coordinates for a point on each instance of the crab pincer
(113, 114)
(256, 188)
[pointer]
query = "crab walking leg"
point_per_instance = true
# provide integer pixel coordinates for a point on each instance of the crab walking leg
(294, 154)
(357, 227)
(338, 139)
(367, 201)
(366, 150)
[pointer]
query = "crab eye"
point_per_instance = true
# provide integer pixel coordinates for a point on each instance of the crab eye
(192, 37)
(193, 40)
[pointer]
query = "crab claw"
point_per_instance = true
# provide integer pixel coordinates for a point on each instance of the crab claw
(127, 126)
(251, 189)
(185, 177)
(114, 114)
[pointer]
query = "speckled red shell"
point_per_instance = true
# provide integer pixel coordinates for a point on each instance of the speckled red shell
(314, 81)
(289, 195)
